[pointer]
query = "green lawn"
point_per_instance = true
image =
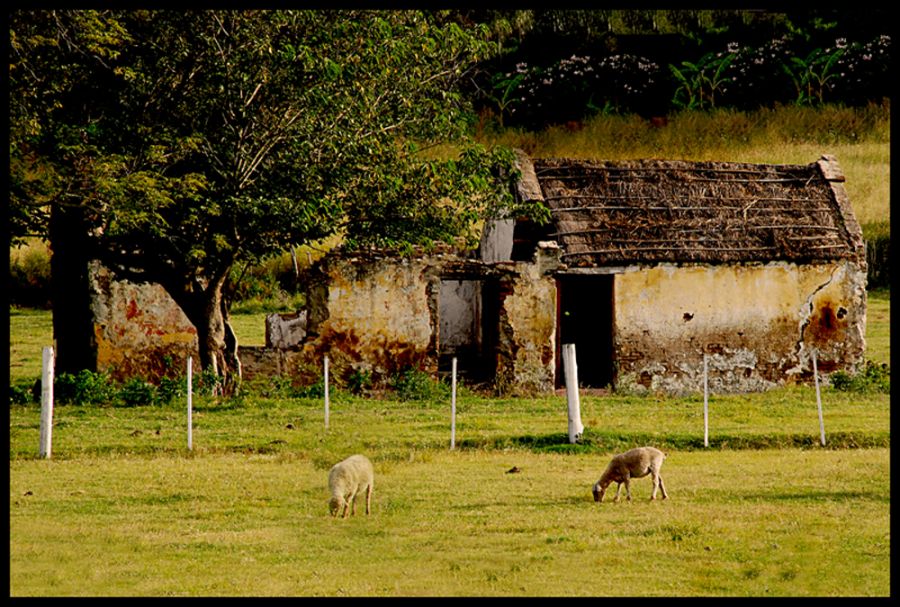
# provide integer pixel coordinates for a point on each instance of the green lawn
(124, 509)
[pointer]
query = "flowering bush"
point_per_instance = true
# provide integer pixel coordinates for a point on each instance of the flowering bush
(863, 71)
(574, 87)
(742, 77)
(755, 77)
(778, 72)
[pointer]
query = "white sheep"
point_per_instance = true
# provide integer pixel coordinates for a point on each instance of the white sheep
(346, 480)
(635, 463)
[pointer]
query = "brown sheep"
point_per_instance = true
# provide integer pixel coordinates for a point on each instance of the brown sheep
(635, 463)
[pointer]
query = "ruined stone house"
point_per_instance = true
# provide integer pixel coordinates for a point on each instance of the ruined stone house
(647, 267)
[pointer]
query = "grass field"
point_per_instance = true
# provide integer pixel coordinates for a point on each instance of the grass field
(123, 508)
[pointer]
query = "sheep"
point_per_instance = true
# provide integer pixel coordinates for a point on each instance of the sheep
(635, 463)
(346, 480)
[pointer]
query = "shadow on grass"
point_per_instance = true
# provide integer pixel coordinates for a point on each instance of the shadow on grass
(605, 442)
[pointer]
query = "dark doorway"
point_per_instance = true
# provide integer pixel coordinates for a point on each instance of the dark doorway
(585, 318)
(469, 327)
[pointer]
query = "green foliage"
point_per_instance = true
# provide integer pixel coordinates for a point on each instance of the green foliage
(416, 385)
(812, 74)
(698, 82)
(872, 378)
(316, 390)
(359, 382)
(192, 142)
(84, 388)
(136, 392)
(170, 389)
(207, 382)
(19, 395)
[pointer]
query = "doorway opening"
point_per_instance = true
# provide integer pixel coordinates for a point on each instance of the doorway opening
(585, 318)
(469, 314)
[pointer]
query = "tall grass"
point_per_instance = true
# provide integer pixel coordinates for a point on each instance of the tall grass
(858, 137)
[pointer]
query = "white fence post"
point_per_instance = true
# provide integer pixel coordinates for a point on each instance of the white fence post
(190, 403)
(453, 406)
(47, 402)
(705, 403)
(818, 399)
(576, 428)
(327, 403)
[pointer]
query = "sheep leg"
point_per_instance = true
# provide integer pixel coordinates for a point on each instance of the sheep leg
(627, 489)
(618, 488)
(661, 486)
(352, 501)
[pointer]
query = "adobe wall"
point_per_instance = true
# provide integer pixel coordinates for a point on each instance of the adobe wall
(375, 316)
(138, 331)
(756, 323)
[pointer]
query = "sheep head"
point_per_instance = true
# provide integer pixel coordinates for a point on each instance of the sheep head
(598, 491)
(335, 505)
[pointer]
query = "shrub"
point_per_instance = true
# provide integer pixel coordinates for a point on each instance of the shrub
(136, 392)
(873, 378)
(84, 388)
(316, 390)
(359, 382)
(19, 395)
(170, 388)
(414, 384)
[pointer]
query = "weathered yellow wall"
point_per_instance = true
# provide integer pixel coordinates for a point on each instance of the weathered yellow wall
(756, 323)
(138, 328)
(527, 333)
(375, 317)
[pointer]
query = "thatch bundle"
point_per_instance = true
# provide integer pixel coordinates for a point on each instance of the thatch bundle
(651, 211)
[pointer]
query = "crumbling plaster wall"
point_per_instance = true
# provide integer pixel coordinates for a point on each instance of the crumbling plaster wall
(527, 348)
(138, 330)
(381, 316)
(375, 316)
(756, 323)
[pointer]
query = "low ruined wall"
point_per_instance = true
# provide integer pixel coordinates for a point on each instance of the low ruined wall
(138, 329)
(756, 323)
(370, 316)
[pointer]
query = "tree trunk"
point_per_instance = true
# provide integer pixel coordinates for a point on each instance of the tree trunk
(73, 329)
(217, 341)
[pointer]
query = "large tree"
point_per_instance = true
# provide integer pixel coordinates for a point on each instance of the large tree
(173, 145)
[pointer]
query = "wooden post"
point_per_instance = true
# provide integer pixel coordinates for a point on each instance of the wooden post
(453, 406)
(47, 402)
(326, 393)
(576, 428)
(190, 404)
(818, 399)
(705, 403)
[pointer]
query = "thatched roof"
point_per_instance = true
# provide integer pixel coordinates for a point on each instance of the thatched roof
(651, 211)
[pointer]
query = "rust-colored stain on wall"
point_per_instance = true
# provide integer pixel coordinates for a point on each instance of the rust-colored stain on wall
(138, 330)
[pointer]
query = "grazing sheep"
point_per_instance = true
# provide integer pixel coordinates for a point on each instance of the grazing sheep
(634, 463)
(346, 480)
